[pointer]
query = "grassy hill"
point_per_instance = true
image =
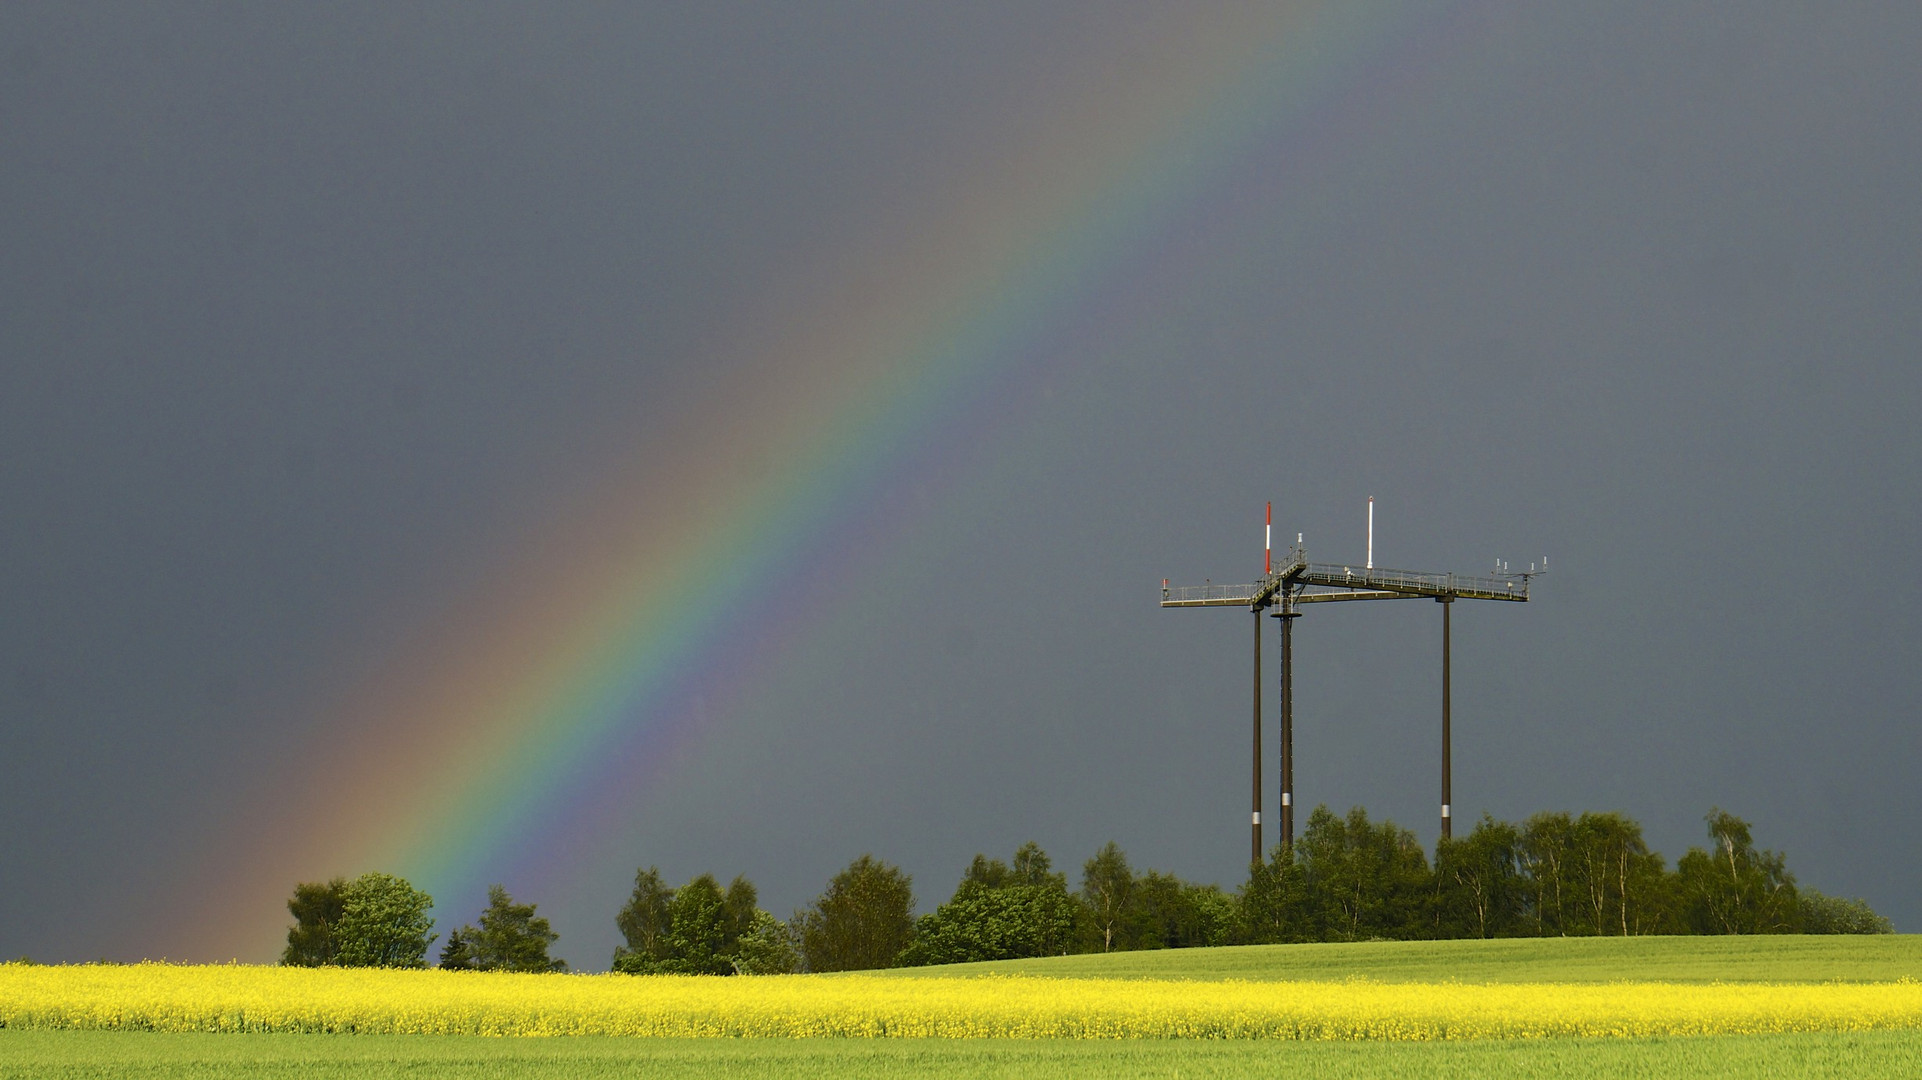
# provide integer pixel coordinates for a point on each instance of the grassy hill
(1877, 958)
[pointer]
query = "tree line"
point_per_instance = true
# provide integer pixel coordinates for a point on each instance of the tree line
(1555, 874)
(379, 920)
(1346, 878)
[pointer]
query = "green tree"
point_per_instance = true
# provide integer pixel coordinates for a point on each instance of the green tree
(1736, 889)
(457, 953)
(700, 938)
(767, 948)
(383, 923)
(987, 873)
(1622, 884)
(863, 920)
(1544, 858)
(1364, 880)
(317, 909)
(998, 914)
(1478, 882)
(643, 922)
(983, 923)
(1033, 867)
(1052, 914)
(1170, 913)
(510, 938)
(1833, 915)
(1273, 903)
(739, 907)
(1592, 874)
(1108, 892)
(697, 929)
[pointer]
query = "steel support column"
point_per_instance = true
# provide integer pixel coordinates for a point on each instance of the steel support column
(1255, 823)
(1288, 616)
(1447, 799)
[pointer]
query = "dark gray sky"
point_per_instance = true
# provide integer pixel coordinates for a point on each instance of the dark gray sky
(307, 314)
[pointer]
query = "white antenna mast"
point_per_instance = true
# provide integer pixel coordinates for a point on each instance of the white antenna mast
(1371, 532)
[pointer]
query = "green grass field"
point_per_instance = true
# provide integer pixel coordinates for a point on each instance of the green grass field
(74, 1054)
(1878, 958)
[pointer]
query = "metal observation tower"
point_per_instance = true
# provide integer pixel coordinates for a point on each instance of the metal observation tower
(1288, 585)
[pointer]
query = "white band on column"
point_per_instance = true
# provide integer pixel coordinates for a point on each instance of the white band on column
(1444, 809)
(1287, 798)
(1257, 817)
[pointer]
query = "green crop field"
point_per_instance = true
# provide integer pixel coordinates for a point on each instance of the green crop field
(72, 1055)
(1800, 963)
(1783, 958)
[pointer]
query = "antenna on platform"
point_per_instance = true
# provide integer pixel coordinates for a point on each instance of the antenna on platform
(1371, 532)
(1506, 569)
(1268, 543)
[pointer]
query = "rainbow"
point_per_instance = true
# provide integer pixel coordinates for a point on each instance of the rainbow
(544, 703)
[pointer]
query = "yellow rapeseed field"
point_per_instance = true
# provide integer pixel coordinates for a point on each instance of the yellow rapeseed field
(243, 998)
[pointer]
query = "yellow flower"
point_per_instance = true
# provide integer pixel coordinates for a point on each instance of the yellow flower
(243, 998)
